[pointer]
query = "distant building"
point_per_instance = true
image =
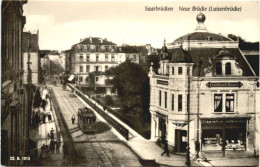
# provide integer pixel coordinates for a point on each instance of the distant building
(30, 48)
(50, 62)
(93, 55)
(206, 76)
(128, 52)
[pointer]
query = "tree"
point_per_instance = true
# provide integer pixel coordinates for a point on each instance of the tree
(132, 84)
(243, 44)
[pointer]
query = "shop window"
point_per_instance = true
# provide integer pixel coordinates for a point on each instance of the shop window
(229, 102)
(172, 70)
(228, 68)
(172, 102)
(165, 99)
(179, 103)
(219, 68)
(88, 59)
(180, 70)
(81, 69)
(87, 68)
(97, 57)
(160, 98)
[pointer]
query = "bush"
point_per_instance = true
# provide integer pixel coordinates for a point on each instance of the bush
(109, 100)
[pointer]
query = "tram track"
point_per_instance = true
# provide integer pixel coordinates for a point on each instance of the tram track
(97, 151)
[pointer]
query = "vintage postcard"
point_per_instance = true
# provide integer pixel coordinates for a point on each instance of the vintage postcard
(129, 83)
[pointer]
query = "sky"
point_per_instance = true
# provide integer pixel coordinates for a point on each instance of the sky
(62, 24)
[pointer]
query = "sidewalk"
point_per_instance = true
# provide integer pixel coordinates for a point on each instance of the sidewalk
(150, 151)
(49, 159)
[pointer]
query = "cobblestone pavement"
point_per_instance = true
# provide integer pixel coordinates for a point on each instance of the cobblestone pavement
(102, 149)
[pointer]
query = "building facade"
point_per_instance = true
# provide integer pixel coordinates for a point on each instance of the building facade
(30, 48)
(206, 76)
(92, 55)
(128, 52)
(15, 97)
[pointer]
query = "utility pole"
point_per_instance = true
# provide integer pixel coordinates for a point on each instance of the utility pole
(197, 144)
(187, 163)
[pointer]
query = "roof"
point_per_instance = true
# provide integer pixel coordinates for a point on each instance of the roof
(127, 49)
(205, 55)
(30, 41)
(253, 60)
(96, 41)
(48, 52)
(203, 36)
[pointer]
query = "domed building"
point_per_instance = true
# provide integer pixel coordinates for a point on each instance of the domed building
(204, 76)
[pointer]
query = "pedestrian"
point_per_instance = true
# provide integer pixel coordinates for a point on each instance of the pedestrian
(166, 150)
(52, 134)
(49, 117)
(43, 118)
(73, 119)
(52, 146)
(65, 151)
(42, 151)
(57, 146)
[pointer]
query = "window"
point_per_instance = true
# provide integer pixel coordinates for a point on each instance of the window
(81, 69)
(107, 48)
(209, 38)
(106, 57)
(160, 98)
(88, 58)
(229, 102)
(113, 58)
(228, 68)
(87, 68)
(97, 57)
(80, 79)
(165, 99)
(88, 48)
(106, 67)
(172, 102)
(172, 70)
(219, 68)
(179, 102)
(180, 70)
(134, 57)
(218, 103)
(81, 57)
(97, 78)
(97, 48)
(96, 68)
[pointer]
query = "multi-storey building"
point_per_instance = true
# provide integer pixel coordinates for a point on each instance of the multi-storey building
(128, 52)
(30, 48)
(15, 96)
(92, 55)
(205, 76)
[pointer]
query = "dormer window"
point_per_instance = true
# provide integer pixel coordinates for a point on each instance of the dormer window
(228, 68)
(180, 70)
(219, 68)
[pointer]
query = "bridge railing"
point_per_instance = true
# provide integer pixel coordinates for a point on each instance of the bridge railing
(97, 107)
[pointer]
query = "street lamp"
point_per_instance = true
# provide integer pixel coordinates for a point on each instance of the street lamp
(187, 163)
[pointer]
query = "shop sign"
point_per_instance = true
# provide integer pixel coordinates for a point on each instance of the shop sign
(222, 121)
(161, 82)
(224, 84)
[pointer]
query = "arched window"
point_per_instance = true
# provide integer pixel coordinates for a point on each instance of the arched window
(228, 68)
(219, 68)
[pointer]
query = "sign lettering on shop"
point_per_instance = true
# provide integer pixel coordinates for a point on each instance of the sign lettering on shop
(224, 84)
(161, 82)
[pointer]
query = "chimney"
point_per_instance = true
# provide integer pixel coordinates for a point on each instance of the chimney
(101, 40)
(90, 39)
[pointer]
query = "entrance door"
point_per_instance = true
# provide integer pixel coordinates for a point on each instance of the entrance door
(162, 128)
(180, 140)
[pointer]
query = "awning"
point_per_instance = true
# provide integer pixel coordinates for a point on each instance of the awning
(71, 77)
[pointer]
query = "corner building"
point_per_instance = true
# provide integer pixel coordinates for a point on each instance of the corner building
(224, 94)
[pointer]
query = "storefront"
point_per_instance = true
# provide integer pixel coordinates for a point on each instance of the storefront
(224, 133)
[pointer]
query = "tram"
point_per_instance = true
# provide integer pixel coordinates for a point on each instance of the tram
(86, 120)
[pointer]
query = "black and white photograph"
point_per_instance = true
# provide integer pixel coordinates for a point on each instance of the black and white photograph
(127, 83)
